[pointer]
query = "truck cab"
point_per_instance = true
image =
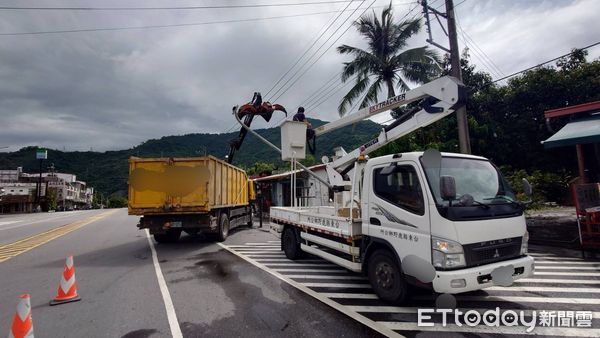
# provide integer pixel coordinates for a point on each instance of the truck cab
(465, 237)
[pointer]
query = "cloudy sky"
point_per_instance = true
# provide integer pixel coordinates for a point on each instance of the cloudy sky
(113, 89)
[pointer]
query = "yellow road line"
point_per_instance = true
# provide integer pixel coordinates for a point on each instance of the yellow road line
(13, 249)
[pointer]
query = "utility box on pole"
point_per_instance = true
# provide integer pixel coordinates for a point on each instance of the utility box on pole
(293, 140)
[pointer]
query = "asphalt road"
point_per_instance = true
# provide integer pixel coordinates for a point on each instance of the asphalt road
(214, 293)
(242, 287)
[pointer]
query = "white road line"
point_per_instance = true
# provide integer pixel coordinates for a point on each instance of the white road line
(324, 277)
(360, 318)
(308, 270)
(545, 331)
(164, 290)
(256, 246)
(565, 259)
(543, 289)
(294, 264)
(258, 249)
(548, 263)
(274, 241)
(261, 259)
(519, 299)
(399, 309)
(538, 267)
(337, 285)
(551, 273)
(350, 295)
(265, 256)
(557, 281)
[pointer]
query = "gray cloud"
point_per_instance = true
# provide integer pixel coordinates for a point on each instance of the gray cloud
(113, 90)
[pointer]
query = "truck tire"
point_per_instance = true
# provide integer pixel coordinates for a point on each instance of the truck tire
(386, 277)
(223, 228)
(171, 236)
(290, 244)
(250, 217)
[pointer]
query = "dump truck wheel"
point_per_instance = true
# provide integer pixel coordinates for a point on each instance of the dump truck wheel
(171, 236)
(223, 228)
(251, 216)
(386, 277)
(291, 247)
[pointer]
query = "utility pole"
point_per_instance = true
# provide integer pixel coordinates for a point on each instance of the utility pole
(461, 113)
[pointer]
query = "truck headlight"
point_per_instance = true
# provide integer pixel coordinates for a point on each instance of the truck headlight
(524, 243)
(446, 254)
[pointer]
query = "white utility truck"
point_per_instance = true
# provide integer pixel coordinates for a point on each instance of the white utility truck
(448, 222)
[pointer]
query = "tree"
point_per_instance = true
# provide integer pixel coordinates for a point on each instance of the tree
(386, 62)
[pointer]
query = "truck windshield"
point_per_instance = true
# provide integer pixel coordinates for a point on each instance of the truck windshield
(479, 179)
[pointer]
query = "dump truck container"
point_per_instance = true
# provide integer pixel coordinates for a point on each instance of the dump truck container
(197, 194)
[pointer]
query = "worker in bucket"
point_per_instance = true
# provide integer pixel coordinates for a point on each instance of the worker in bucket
(310, 133)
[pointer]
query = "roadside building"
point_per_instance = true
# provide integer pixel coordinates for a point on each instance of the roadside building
(276, 188)
(62, 190)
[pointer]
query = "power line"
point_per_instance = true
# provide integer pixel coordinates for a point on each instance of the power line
(331, 86)
(313, 54)
(325, 51)
(322, 32)
(174, 8)
(164, 26)
(544, 63)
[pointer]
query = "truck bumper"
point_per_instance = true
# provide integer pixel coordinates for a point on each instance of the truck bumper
(480, 277)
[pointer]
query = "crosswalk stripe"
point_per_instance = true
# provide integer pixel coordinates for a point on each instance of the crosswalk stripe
(550, 331)
(308, 270)
(520, 299)
(350, 295)
(543, 289)
(538, 263)
(337, 285)
(325, 277)
(557, 281)
(301, 264)
(402, 309)
(552, 273)
(537, 267)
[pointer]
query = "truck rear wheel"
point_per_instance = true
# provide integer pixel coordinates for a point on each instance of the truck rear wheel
(290, 244)
(386, 277)
(223, 228)
(171, 236)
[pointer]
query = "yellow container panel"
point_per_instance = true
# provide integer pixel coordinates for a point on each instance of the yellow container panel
(184, 185)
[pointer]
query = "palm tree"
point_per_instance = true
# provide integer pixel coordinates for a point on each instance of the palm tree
(385, 63)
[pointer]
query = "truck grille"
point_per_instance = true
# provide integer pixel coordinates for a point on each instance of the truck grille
(492, 251)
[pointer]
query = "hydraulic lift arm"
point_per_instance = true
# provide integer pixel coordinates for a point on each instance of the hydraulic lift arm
(440, 98)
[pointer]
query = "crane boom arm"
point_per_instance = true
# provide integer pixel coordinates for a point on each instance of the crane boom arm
(441, 96)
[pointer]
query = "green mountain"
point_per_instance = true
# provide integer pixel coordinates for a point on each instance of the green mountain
(108, 171)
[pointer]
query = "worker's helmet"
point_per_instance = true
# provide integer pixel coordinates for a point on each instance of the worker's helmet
(300, 109)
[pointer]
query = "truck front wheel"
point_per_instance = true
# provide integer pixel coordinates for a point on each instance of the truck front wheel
(290, 245)
(171, 236)
(223, 228)
(386, 277)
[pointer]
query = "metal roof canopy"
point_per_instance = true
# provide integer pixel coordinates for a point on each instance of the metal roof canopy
(581, 131)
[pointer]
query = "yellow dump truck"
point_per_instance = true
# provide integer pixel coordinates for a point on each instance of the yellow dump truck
(198, 194)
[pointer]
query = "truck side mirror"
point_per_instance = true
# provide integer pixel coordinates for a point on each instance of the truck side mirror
(448, 187)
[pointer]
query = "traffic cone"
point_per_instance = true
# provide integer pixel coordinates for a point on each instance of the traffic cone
(67, 288)
(22, 326)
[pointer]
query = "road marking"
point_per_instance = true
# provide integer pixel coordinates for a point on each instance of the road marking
(162, 284)
(34, 222)
(293, 264)
(543, 289)
(324, 277)
(550, 273)
(13, 249)
(350, 295)
(401, 309)
(557, 281)
(539, 330)
(533, 293)
(262, 260)
(360, 318)
(337, 285)
(537, 267)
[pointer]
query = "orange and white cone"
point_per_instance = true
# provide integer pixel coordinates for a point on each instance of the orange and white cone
(67, 288)
(22, 326)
